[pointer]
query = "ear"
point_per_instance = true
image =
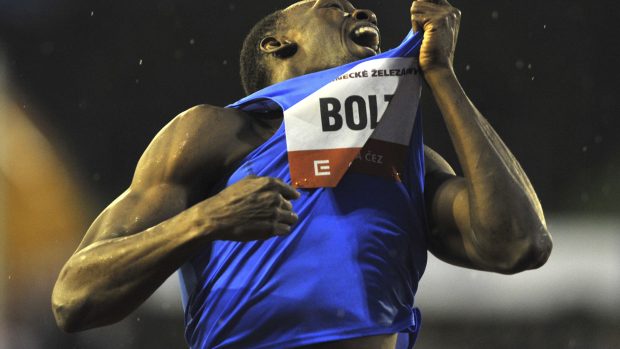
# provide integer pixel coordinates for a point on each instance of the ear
(281, 48)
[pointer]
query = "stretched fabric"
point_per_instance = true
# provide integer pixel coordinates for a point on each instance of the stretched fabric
(351, 265)
(330, 115)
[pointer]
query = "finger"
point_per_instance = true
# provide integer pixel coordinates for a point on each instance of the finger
(416, 26)
(286, 217)
(436, 2)
(280, 229)
(285, 204)
(287, 191)
(418, 22)
(424, 7)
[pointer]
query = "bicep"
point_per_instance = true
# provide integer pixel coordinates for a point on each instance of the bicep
(137, 210)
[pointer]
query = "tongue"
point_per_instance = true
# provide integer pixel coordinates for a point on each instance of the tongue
(366, 39)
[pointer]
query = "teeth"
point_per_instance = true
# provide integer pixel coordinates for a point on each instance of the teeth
(364, 30)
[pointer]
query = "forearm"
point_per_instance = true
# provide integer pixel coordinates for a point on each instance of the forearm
(109, 279)
(502, 207)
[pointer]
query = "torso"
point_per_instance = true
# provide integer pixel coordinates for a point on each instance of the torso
(244, 132)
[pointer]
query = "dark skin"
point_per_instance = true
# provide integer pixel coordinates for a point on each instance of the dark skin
(489, 219)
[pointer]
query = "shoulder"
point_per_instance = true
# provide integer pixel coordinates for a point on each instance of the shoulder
(196, 143)
(206, 119)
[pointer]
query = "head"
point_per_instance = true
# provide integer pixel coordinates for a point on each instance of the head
(308, 36)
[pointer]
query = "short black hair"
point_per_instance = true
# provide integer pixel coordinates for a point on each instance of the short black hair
(255, 74)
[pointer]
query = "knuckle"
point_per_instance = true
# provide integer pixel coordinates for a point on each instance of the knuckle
(264, 198)
(274, 181)
(258, 182)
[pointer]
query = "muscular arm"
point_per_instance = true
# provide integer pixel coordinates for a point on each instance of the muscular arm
(491, 219)
(150, 230)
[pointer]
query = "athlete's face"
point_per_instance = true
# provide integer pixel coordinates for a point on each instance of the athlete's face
(326, 33)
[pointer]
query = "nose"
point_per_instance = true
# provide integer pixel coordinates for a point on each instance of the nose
(365, 15)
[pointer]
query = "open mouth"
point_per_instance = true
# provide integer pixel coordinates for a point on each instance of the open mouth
(366, 35)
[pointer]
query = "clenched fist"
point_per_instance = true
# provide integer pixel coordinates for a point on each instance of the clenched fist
(252, 209)
(440, 22)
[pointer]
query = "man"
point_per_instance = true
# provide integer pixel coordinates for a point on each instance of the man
(175, 213)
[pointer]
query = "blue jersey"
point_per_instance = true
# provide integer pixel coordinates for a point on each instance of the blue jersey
(350, 267)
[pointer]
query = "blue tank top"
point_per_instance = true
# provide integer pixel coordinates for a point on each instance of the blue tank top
(350, 267)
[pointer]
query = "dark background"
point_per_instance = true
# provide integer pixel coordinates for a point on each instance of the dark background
(101, 79)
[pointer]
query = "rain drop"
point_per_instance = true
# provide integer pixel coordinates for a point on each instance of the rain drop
(519, 64)
(495, 15)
